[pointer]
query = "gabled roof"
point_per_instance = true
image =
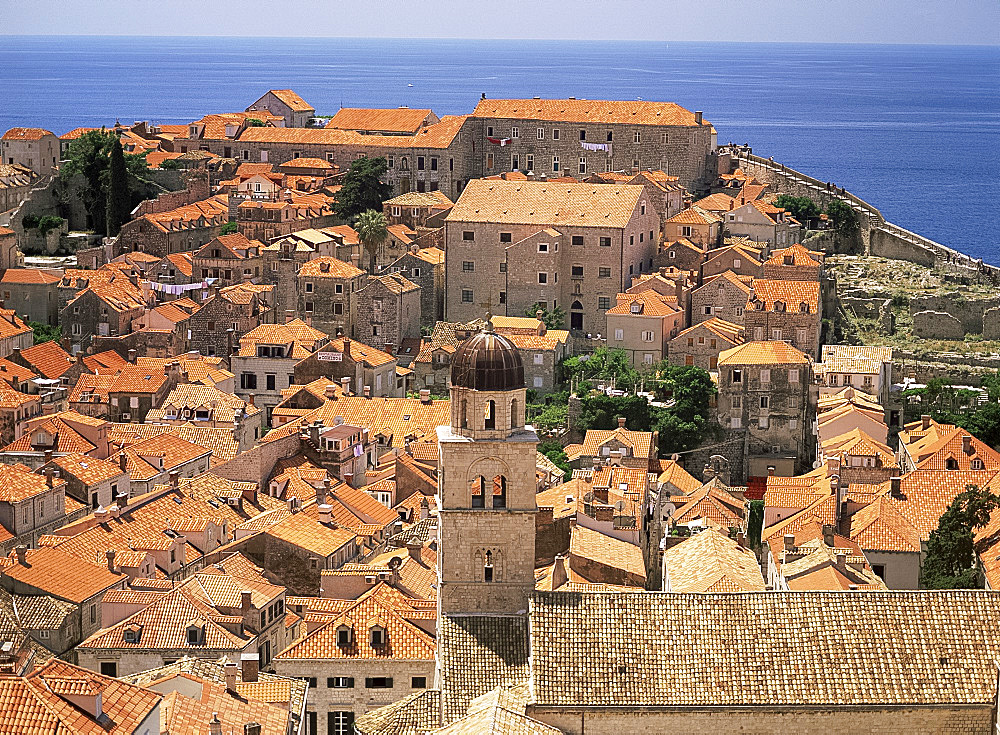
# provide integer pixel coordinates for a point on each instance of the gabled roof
(641, 442)
(801, 256)
(392, 120)
(643, 303)
(60, 574)
(709, 561)
(694, 216)
(719, 327)
(879, 526)
(763, 353)
(792, 293)
(730, 277)
(302, 338)
(26, 134)
(48, 358)
(29, 276)
(290, 98)
(328, 266)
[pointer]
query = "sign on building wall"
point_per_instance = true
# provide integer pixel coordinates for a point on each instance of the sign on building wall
(330, 356)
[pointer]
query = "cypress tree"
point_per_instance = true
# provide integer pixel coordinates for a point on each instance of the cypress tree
(118, 208)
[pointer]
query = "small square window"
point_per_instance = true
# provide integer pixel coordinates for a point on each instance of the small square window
(543, 277)
(505, 237)
(469, 236)
(466, 295)
(468, 266)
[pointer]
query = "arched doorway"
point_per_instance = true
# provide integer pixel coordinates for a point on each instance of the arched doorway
(576, 316)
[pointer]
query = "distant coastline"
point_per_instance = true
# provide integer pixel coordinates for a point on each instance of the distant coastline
(909, 129)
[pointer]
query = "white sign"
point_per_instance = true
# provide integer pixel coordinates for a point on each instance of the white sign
(330, 356)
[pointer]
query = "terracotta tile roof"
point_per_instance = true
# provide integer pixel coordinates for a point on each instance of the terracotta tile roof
(29, 275)
(710, 561)
(103, 361)
(743, 283)
(433, 199)
(641, 442)
(722, 329)
(644, 303)
(403, 639)
(328, 267)
(302, 338)
(294, 102)
(67, 439)
(881, 527)
(801, 256)
(12, 399)
(716, 203)
(214, 210)
(221, 406)
(413, 714)
(607, 551)
(9, 371)
(309, 534)
(792, 293)
(857, 443)
(588, 111)
(677, 477)
(26, 134)
(712, 503)
(949, 449)
(823, 510)
(694, 216)
(61, 574)
(396, 120)
(143, 459)
(48, 358)
(926, 494)
(763, 353)
(89, 470)
(545, 203)
(478, 653)
(18, 483)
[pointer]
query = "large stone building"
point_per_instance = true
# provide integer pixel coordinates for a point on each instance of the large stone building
(33, 148)
(513, 244)
(701, 344)
(785, 310)
(32, 293)
(766, 395)
(643, 324)
(386, 311)
(286, 104)
(578, 137)
(326, 288)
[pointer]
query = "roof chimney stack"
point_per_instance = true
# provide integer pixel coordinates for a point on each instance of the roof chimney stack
(22, 554)
(345, 385)
(967, 443)
(230, 670)
(251, 663)
(925, 422)
(110, 556)
(698, 117)
(325, 514)
(789, 541)
(828, 535)
(896, 487)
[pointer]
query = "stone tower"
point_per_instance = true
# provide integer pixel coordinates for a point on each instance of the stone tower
(486, 483)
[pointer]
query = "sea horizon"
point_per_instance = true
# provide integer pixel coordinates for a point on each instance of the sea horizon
(906, 127)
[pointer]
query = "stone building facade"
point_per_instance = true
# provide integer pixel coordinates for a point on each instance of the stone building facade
(284, 103)
(425, 268)
(700, 344)
(766, 392)
(31, 293)
(104, 310)
(723, 297)
(33, 148)
(785, 310)
(386, 311)
(326, 289)
(571, 137)
(513, 244)
(224, 317)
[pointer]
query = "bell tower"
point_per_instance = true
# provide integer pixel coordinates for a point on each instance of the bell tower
(486, 483)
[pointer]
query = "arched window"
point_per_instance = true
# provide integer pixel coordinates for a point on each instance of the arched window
(490, 417)
(513, 414)
(465, 414)
(488, 567)
(499, 491)
(951, 463)
(478, 490)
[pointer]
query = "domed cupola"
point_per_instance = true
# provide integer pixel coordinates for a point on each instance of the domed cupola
(487, 361)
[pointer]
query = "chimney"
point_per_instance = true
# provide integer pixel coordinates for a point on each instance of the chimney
(413, 549)
(48, 456)
(132, 355)
(48, 476)
(841, 561)
(967, 443)
(330, 392)
(368, 391)
(289, 315)
(698, 117)
(828, 535)
(896, 487)
(425, 395)
(122, 500)
(925, 422)
(230, 670)
(832, 466)
(425, 509)
(110, 556)
(22, 554)
(122, 461)
(215, 725)
(246, 607)
(250, 400)
(345, 384)
(325, 513)
(789, 541)
(250, 662)
(615, 457)
(559, 574)
(174, 478)
(347, 346)
(621, 422)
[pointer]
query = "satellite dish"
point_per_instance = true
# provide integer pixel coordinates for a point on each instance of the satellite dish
(817, 464)
(620, 506)
(588, 497)
(394, 562)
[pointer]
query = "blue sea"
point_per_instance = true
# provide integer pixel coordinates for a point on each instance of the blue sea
(915, 130)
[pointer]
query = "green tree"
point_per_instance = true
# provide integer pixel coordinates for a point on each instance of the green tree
(88, 156)
(372, 230)
(843, 218)
(602, 411)
(363, 188)
(171, 164)
(555, 452)
(253, 122)
(118, 206)
(229, 228)
(801, 208)
(755, 523)
(603, 364)
(44, 332)
(951, 556)
(554, 318)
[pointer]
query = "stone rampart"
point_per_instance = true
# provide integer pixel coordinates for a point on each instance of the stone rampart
(937, 325)
(970, 312)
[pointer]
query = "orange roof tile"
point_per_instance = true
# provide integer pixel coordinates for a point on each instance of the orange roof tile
(328, 267)
(588, 111)
(29, 275)
(397, 120)
(763, 353)
(791, 293)
(60, 574)
(26, 134)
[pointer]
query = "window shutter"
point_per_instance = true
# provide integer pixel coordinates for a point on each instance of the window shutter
(368, 682)
(388, 682)
(350, 682)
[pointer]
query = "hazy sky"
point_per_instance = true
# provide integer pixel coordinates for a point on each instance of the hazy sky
(838, 21)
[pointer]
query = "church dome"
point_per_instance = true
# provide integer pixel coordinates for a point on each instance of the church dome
(487, 361)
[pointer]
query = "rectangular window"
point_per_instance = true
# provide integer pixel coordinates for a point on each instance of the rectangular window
(765, 401)
(619, 334)
(529, 164)
(793, 375)
(309, 306)
(420, 163)
(540, 133)
(577, 239)
(340, 682)
(735, 422)
(340, 723)
(555, 163)
(248, 381)
(605, 242)
(604, 272)
(270, 381)
(434, 164)
(583, 135)
(505, 237)
(737, 401)
(468, 266)
(737, 376)
(109, 668)
(686, 231)
(663, 139)
(555, 134)
(311, 719)
(515, 162)
(543, 277)
(489, 161)
(583, 165)
(420, 682)
(765, 375)
(338, 309)
(638, 137)
(647, 336)
(503, 267)
(489, 131)
(515, 132)
(603, 302)
(763, 422)
(378, 682)
(391, 162)
(469, 236)
(543, 247)
(466, 295)
(776, 334)
(793, 423)
(576, 271)
(611, 136)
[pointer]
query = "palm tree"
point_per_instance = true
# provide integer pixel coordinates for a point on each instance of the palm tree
(372, 230)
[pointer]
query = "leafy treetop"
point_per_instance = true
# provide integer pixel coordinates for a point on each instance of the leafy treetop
(363, 188)
(951, 557)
